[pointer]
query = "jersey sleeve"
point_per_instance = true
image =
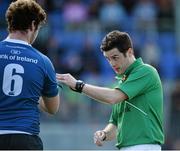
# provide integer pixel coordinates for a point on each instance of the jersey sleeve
(50, 88)
(136, 83)
(113, 117)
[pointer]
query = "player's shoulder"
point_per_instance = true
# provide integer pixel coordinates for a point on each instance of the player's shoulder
(41, 55)
(2, 43)
(149, 69)
(144, 69)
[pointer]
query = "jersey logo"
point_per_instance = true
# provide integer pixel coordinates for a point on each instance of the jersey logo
(15, 52)
(124, 78)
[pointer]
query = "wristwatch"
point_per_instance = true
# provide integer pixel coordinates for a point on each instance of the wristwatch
(79, 86)
(105, 136)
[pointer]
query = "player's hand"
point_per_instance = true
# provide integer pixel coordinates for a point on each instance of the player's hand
(67, 79)
(99, 137)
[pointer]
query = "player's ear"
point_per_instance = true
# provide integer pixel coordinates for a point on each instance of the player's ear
(33, 26)
(130, 52)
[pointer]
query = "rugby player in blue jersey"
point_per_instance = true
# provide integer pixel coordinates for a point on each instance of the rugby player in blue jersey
(27, 79)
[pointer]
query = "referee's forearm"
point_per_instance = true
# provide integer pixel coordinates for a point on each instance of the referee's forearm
(101, 94)
(98, 93)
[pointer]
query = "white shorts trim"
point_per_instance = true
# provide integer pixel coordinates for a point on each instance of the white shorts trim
(13, 132)
(142, 147)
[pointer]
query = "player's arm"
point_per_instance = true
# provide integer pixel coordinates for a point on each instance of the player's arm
(50, 104)
(107, 134)
(102, 94)
(50, 99)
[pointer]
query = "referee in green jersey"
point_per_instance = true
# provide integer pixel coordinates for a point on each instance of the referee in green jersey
(136, 120)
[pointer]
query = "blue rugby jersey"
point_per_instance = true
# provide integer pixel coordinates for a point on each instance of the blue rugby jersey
(25, 75)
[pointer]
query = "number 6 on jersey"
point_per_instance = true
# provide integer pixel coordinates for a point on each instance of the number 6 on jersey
(12, 81)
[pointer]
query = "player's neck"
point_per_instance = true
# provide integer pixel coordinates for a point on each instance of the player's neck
(19, 35)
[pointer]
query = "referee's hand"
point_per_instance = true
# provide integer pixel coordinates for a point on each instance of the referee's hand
(99, 137)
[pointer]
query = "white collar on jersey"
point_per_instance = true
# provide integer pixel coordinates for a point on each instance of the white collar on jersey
(16, 41)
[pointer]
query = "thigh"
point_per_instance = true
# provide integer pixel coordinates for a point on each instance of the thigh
(26, 142)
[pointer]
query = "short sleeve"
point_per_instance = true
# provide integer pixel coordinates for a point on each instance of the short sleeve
(113, 117)
(136, 83)
(50, 88)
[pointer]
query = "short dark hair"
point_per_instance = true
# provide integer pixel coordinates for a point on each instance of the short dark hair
(116, 39)
(21, 13)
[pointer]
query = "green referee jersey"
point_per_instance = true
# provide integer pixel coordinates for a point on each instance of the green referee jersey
(139, 119)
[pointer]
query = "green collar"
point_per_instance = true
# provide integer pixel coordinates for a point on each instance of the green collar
(135, 64)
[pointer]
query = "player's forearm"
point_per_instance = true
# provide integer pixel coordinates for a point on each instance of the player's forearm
(105, 95)
(41, 105)
(50, 105)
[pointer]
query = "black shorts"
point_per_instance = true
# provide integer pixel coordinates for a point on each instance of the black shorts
(20, 142)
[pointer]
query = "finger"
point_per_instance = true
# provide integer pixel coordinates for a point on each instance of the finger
(100, 135)
(97, 140)
(99, 143)
(97, 133)
(60, 77)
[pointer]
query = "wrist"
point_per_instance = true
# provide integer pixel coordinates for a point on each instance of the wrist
(79, 86)
(105, 136)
